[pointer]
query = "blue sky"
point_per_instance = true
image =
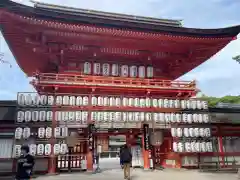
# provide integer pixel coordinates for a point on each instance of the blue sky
(216, 77)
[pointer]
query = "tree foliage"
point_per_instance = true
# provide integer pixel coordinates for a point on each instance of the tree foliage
(213, 101)
(236, 58)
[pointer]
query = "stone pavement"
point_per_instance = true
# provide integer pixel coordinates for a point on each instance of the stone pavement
(138, 174)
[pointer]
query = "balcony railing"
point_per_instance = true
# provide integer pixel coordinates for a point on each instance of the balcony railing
(118, 82)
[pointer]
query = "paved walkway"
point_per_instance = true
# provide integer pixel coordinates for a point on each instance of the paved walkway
(138, 174)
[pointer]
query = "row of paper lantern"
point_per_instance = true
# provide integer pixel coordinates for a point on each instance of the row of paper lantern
(194, 146)
(27, 116)
(191, 132)
(48, 132)
(107, 69)
(43, 149)
(34, 100)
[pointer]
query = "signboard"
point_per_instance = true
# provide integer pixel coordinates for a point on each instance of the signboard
(146, 136)
(91, 128)
(72, 140)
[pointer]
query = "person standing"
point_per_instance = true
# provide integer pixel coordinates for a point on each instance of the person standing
(126, 160)
(25, 164)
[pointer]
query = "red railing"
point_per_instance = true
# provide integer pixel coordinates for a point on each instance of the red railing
(118, 82)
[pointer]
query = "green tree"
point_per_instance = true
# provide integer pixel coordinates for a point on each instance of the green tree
(213, 101)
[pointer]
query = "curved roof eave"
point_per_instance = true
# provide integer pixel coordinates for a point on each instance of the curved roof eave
(64, 16)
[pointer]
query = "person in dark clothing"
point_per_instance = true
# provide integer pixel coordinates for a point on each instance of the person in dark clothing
(126, 160)
(25, 164)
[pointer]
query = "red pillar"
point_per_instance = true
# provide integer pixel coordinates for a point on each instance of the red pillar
(221, 150)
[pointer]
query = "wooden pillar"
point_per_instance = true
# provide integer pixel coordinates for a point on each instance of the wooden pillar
(221, 150)
(145, 153)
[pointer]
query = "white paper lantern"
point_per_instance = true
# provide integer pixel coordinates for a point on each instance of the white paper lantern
(43, 100)
(136, 116)
(71, 115)
(115, 70)
(125, 116)
(131, 102)
(125, 101)
(27, 116)
(186, 132)
(172, 117)
(183, 104)
(207, 132)
(167, 117)
(106, 116)
(201, 132)
(180, 147)
(191, 132)
(155, 103)
(48, 132)
(196, 132)
(50, 100)
(197, 147)
(141, 72)
(47, 149)
(155, 117)
(72, 101)
(56, 149)
(204, 105)
(171, 103)
(199, 104)
(112, 116)
(112, 101)
(58, 115)
(84, 116)
(203, 147)
(35, 116)
(41, 132)
(160, 103)
(184, 118)
(18, 133)
(20, 116)
(148, 102)
(118, 102)
(96, 69)
(78, 116)
(63, 149)
(42, 116)
(205, 118)
(175, 147)
(177, 103)
(94, 101)
(130, 117)
(35, 100)
(85, 101)
(118, 116)
(59, 100)
(195, 118)
(105, 69)
(162, 117)
(200, 118)
(187, 147)
(17, 150)
(142, 116)
(49, 115)
(106, 101)
(193, 149)
(189, 118)
(149, 116)
(65, 100)
(57, 132)
(178, 118)
(28, 100)
(133, 71)
(142, 102)
(64, 131)
(166, 103)
(209, 147)
(173, 132)
(124, 71)
(79, 101)
(94, 116)
(149, 72)
(65, 116)
(40, 149)
(21, 99)
(193, 104)
(87, 68)
(33, 149)
(26, 133)
(188, 104)
(136, 102)
(179, 132)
